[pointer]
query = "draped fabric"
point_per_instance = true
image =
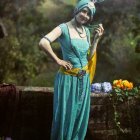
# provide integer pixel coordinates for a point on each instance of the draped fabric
(71, 104)
(92, 66)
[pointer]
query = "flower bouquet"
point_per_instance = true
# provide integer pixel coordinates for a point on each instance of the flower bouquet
(124, 89)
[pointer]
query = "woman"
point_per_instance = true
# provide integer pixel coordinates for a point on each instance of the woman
(72, 83)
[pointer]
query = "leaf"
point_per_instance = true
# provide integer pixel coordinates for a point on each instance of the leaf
(118, 123)
(126, 93)
(130, 97)
(120, 99)
(131, 93)
(116, 115)
(117, 90)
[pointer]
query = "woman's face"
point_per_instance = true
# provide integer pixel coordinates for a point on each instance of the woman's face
(83, 16)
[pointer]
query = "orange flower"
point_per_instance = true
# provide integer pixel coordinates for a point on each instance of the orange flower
(130, 86)
(118, 83)
(127, 85)
(122, 84)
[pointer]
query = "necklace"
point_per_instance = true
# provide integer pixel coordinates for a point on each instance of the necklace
(80, 33)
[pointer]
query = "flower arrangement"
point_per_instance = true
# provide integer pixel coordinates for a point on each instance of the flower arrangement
(123, 98)
(124, 88)
(123, 91)
(119, 87)
(123, 84)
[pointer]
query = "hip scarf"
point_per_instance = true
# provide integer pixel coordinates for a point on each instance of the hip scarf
(89, 68)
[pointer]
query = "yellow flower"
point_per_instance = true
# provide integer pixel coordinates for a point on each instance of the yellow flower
(118, 83)
(127, 85)
(130, 86)
(115, 82)
(122, 84)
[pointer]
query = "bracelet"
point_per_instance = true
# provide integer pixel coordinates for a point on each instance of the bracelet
(47, 39)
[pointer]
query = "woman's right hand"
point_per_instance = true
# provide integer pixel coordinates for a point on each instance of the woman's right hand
(66, 64)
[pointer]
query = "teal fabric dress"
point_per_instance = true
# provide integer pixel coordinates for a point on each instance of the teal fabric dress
(71, 94)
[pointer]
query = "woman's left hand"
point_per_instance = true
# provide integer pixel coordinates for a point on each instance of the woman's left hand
(99, 32)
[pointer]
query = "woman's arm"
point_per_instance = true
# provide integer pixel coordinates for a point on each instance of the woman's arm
(99, 32)
(45, 45)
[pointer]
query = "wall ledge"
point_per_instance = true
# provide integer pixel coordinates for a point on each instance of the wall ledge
(51, 90)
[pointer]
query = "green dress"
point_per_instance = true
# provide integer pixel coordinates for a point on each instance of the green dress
(71, 94)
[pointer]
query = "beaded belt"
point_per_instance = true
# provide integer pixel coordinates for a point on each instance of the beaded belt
(75, 71)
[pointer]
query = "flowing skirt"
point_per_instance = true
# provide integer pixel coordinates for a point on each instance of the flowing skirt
(71, 107)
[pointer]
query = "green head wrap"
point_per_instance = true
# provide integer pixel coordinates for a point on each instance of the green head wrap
(89, 4)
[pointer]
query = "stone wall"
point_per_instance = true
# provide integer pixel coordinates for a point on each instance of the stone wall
(26, 114)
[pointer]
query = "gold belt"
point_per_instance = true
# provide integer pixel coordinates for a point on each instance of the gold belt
(75, 71)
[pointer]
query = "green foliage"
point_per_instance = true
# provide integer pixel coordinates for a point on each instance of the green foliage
(136, 20)
(125, 100)
(23, 62)
(121, 95)
(71, 2)
(116, 50)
